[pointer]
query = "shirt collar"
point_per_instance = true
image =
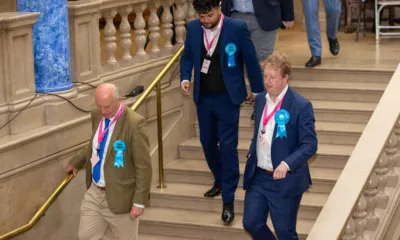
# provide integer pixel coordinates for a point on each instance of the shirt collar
(280, 96)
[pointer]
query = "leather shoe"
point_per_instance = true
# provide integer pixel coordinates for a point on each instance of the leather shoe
(253, 115)
(213, 192)
(314, 61)
(334, 46)
(227, 213)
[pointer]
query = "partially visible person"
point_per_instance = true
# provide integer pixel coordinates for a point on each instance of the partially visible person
(217, 47)
(118, 169)
(263, 19)
(333, 9)
(284, 139)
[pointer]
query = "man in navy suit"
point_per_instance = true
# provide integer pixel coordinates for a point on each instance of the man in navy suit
(217, 48)
(277, 173)
(263, 18)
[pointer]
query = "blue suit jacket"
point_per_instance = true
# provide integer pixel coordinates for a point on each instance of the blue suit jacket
(233, 31)
(295, 149)
(269, 13)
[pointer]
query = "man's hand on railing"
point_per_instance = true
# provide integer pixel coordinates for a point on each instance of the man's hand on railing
(70, 169)
(185, 88)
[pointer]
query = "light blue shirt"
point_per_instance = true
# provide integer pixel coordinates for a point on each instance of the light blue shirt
(243, 6)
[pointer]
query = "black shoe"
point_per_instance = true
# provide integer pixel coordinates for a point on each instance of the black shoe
(227, 213)
(334, 46)
(213, 192)
(314, 61)
(253, 115)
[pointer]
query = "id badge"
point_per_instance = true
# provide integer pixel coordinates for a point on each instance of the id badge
(206, 65)
(264, 143)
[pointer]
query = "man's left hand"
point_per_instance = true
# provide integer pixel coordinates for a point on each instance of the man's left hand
(280, 171)
(136, 212)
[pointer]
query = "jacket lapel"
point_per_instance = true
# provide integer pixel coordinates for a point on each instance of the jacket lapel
(117, 129)
(287, 102)
(198, 44)
(223, 39)
(259, 112)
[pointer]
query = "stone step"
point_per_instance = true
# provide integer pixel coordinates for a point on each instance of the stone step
(342, 74)
(327, 132)
(197, 172)
(328, 155)
(163, 237)
(201, 224)
(190, 196)
(340, 91)
(327, 111)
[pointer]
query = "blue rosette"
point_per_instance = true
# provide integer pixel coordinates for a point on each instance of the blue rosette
(281, 118)
(230, 49)
(119, 147)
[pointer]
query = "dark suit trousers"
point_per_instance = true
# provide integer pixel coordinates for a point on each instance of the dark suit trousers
(263, 197)
(219, 126)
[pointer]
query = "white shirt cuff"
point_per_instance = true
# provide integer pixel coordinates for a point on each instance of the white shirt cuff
(184, 81)
(138, 205)
(286, 165)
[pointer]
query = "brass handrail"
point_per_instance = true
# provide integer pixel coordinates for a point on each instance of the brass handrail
(156, 83)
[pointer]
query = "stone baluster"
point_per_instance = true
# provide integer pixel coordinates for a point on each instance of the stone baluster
(350, 231)
(140, 31)
(381, 171)
(110, 39)
(372, 201)
(125, 30)
(391, 152)
(154, 28)
(397, 133)
(179, 19)
(166, 19)
(191, 13)
(359, 216)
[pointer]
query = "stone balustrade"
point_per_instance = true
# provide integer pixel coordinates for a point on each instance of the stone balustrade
(365, 198)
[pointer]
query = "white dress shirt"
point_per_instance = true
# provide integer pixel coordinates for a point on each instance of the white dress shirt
(101, 182)
(264, 154)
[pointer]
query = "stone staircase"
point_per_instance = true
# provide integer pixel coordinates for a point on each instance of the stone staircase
(343, 101)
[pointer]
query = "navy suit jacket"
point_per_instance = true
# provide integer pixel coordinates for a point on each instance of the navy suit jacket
(233, 31)
(269, 13)
(295, 149)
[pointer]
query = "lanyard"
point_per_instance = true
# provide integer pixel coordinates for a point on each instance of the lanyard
(209, 44)
(266, 117)
(103, 132)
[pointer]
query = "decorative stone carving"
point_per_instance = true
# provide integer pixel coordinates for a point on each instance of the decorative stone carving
(397, 134)
(372, 201)
(154, 28)
(381, 171)
(359, 216)
(110, 39)
(191, 13)
(391, 153)
(166, 19)
(179, 15)
(350, 231)
(125, 30)
(140, 25)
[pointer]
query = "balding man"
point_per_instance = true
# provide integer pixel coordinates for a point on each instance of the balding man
(118, 169)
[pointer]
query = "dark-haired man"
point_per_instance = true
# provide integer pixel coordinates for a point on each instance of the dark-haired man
(217, 48)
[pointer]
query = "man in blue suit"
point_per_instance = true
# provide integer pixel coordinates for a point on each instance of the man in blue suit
(263, 18)
(277, 173)
(217, 48)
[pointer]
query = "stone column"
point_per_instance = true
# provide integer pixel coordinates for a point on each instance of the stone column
(51, 44)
